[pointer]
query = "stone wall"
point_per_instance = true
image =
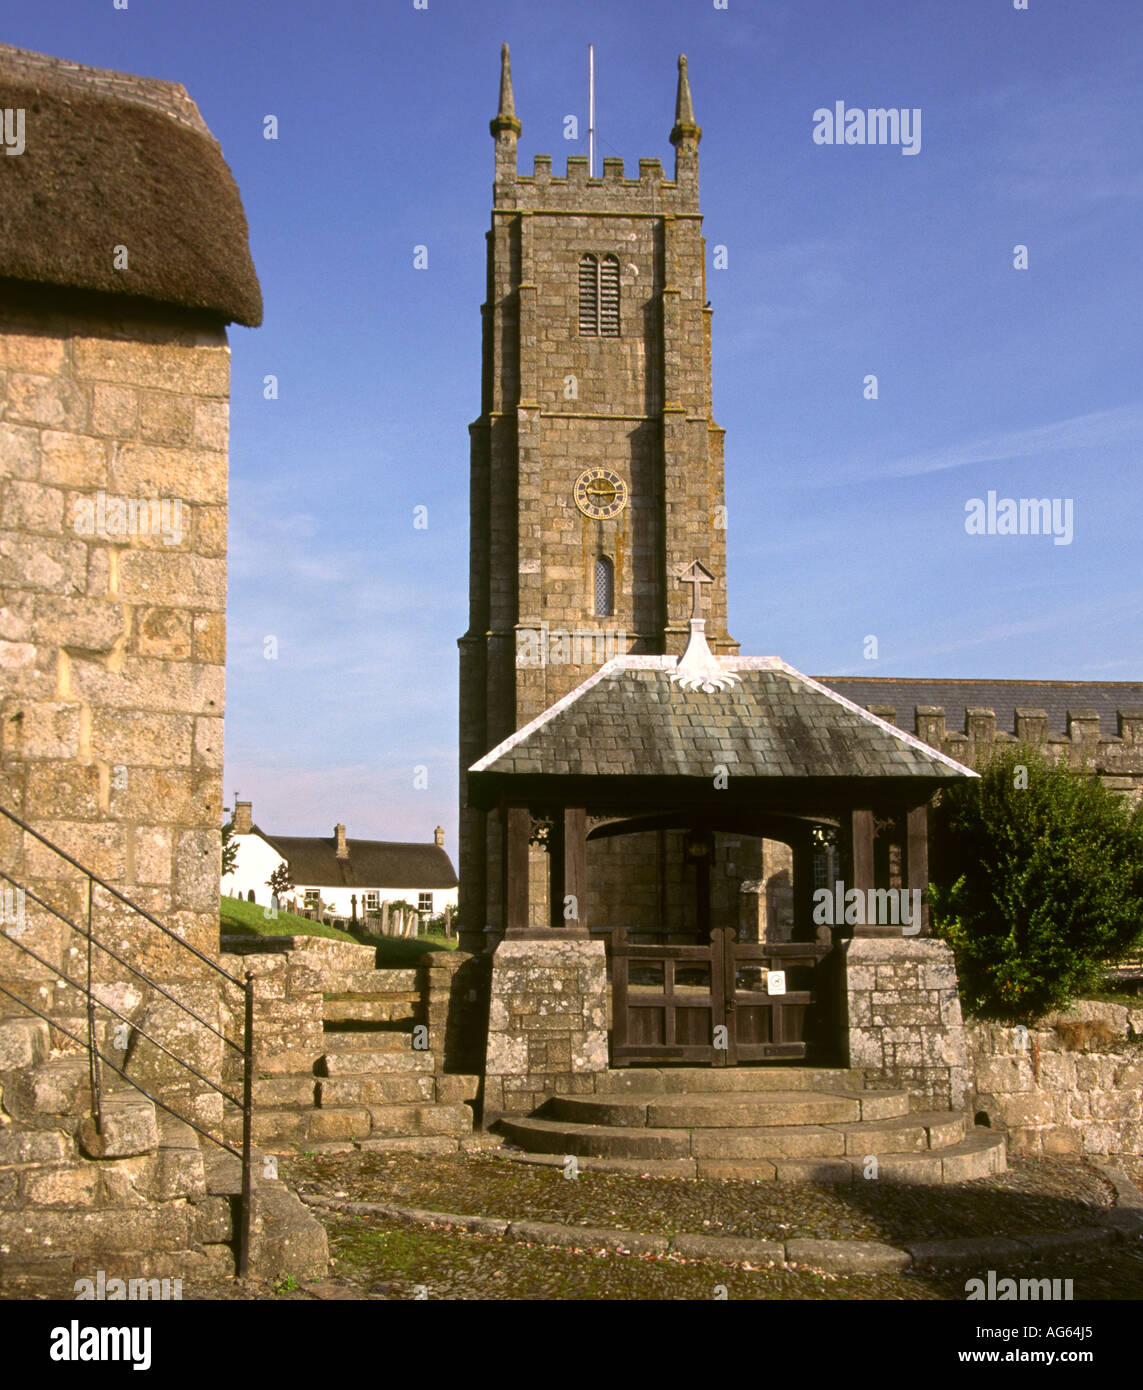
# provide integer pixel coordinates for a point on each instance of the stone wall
(547, 1024)
(112, 644)
(903, 1016)
(454, 988)
(1071, 1085)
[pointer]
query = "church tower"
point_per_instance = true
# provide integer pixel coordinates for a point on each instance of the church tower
(596, 463)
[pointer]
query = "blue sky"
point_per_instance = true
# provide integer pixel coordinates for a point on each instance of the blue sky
(846, 515)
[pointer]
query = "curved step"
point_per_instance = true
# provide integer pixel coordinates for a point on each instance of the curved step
(729, 1109)
(673, 1080)
(980, 1154)
(565, 1137)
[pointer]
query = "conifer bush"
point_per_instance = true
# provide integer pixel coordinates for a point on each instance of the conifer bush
(1038, 883)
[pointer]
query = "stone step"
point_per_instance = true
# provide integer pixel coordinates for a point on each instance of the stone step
(380, 1037)
(128, 1127)
(45, 1268)
(60, 1086)
(359, 1008)
(413, 1143)
(274, 1091)
(391, 1061)
(393, 1121)
(373, 982)
(289, 1125)
(376, 1089)
(673, 1080)
(727, 1109)
(23, 1042)
(20, 1147)
(828, 1153)
(107, 1232)
(566, 1137)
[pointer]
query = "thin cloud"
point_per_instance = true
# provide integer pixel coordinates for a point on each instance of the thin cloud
(1101, 429)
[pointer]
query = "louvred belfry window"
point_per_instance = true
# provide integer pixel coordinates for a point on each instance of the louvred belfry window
(588, 297)
(599, 297)
(609, 297)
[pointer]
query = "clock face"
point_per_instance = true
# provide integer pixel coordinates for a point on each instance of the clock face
(599, 493)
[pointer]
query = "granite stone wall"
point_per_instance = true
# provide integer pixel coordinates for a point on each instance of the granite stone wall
(547, 1024)
(1073, 1084)
(903, 1017)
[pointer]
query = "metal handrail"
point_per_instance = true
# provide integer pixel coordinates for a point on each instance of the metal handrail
(126, 963)
(95, 1056)
(115, 893)
(222, 1144)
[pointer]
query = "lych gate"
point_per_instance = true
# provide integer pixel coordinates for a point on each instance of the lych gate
(704, 745)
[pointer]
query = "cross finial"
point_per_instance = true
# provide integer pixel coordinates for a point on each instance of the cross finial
(696, 574)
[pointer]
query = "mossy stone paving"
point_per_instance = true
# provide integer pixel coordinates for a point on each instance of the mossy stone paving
(1032, 1197)
(386, 1260)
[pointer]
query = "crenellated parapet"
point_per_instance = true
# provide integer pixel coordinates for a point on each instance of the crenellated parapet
(649, 195)
(1082, 743)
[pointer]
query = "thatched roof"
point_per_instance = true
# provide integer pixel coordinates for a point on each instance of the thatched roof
(116, 160)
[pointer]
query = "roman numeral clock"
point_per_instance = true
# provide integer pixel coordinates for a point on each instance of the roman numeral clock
(600, 493)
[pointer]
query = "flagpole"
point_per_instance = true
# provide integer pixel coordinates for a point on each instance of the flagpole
(591, 110)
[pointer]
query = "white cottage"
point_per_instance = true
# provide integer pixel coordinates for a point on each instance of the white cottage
(352, 877)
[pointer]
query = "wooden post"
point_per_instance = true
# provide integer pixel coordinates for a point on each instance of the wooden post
(862, 858)
(568, 869)
(516, 822)
(802, 850)
(917, 861)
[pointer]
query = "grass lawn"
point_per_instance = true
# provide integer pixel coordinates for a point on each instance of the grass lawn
(238, 918)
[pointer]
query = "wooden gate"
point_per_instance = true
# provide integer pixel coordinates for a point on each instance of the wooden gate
(667, 1001)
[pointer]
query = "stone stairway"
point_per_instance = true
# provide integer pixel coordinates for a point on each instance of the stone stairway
(371, 1088)
(790, 1124)
(139, 1199)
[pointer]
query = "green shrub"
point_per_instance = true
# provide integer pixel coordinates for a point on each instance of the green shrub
(1039, 882)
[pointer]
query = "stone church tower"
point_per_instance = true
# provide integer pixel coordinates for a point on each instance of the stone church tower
(596, 463)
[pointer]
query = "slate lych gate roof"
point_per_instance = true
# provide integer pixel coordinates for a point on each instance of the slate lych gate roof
(371, 864)
(1055, 698)
(111, 159)
(630, 719)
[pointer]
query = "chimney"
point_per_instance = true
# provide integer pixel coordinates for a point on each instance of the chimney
(342, 847)
(243, 817)
(438, 837)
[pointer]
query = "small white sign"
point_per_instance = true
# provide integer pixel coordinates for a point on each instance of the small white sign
(775, 982)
